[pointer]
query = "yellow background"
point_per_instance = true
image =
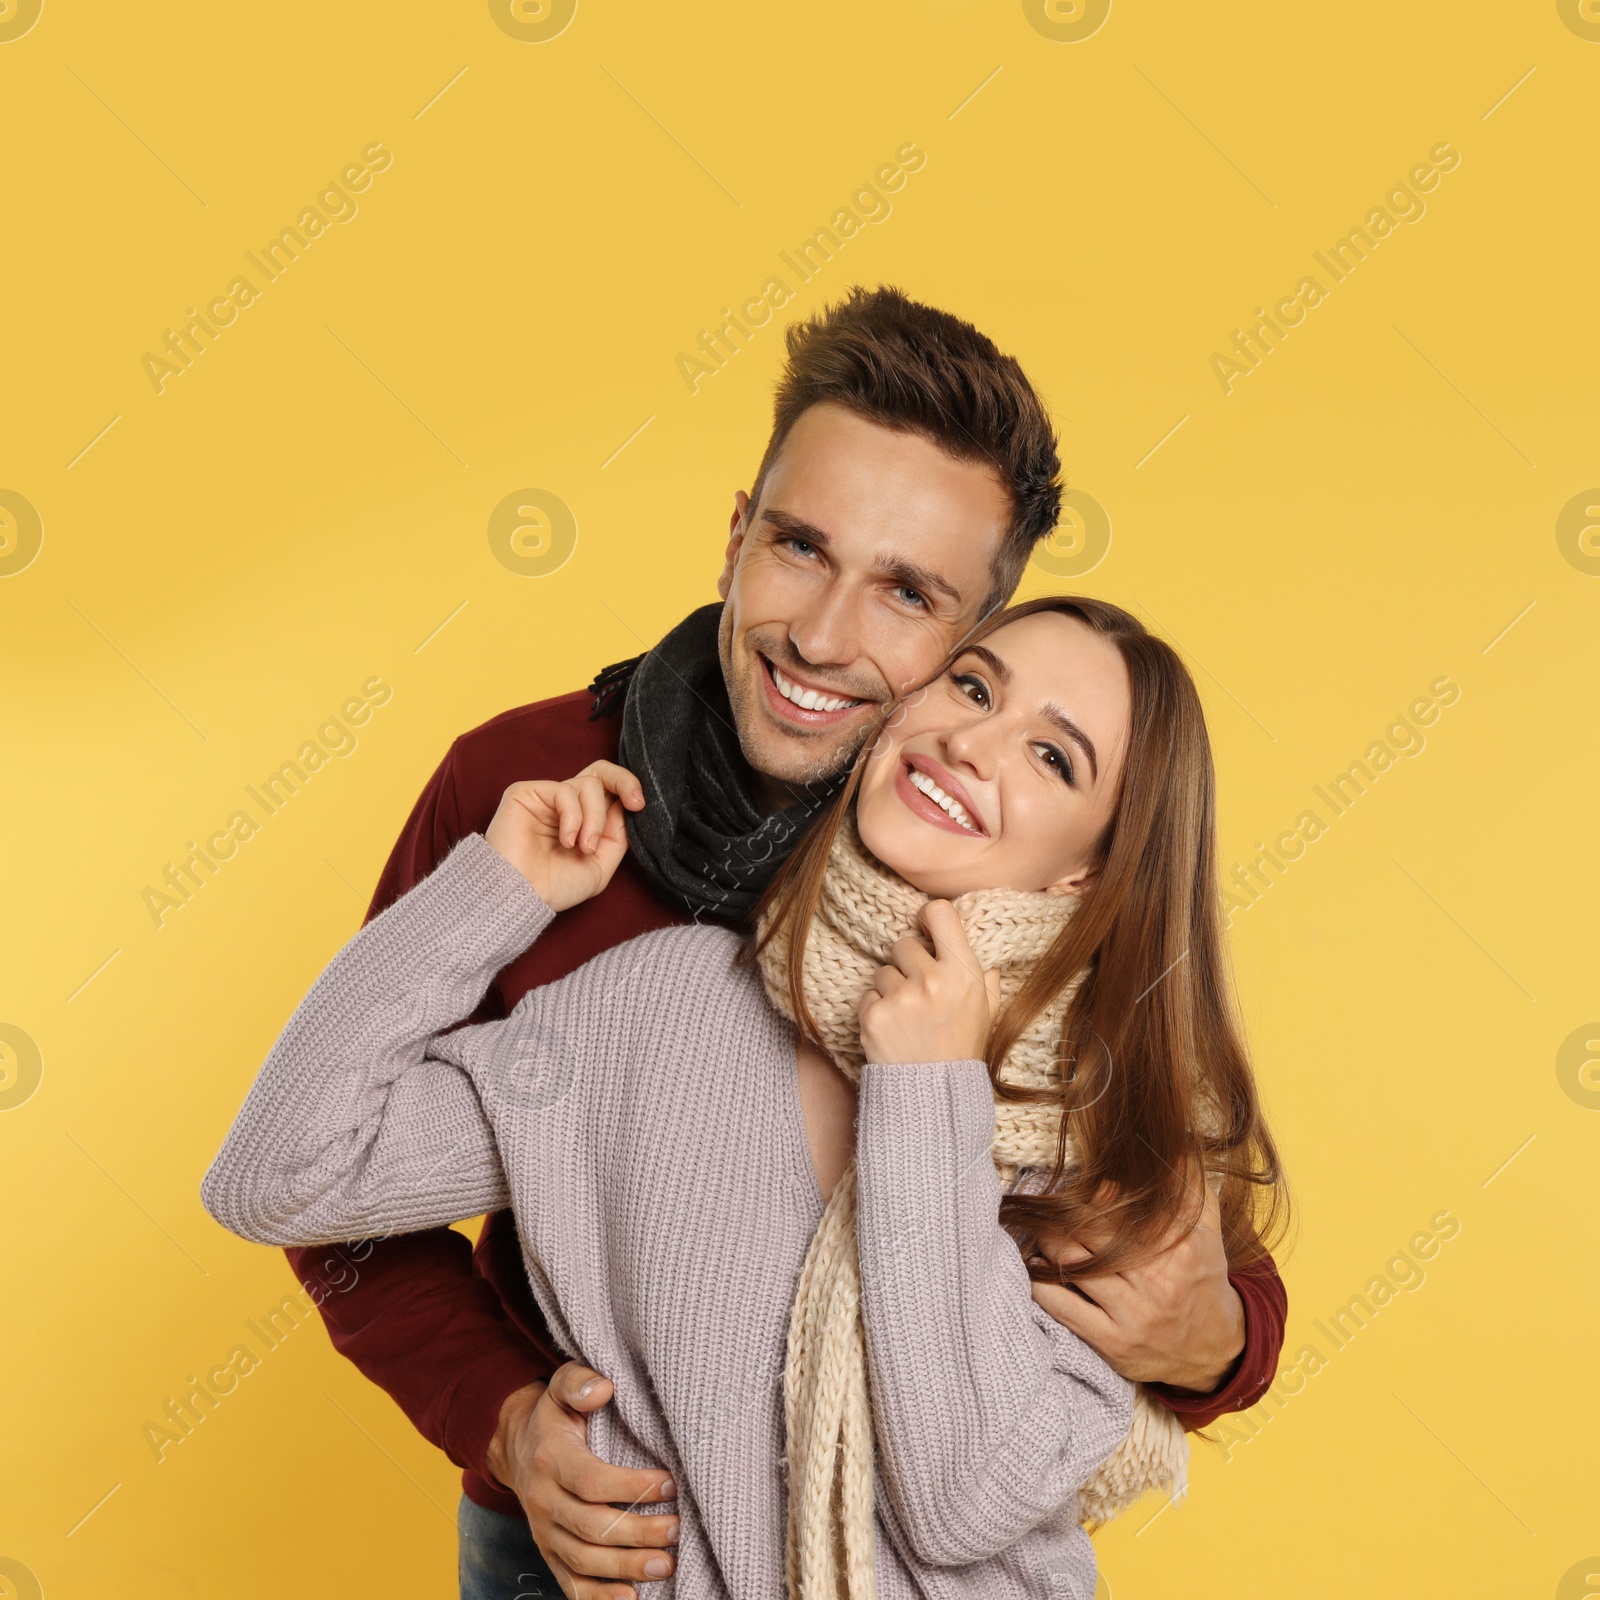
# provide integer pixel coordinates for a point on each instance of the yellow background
(308, 503)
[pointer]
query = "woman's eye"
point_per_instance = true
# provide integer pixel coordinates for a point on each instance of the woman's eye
(1055, 760)
(975, 689)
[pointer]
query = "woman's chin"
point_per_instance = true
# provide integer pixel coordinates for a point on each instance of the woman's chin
(931, 869)
(911, 859)
(936, 885)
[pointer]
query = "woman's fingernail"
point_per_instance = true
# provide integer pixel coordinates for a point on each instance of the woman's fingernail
(588, 1388)
(657, 1567)
(668, 1489)
(672, 1530)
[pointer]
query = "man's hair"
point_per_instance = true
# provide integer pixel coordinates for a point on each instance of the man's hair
(913, 368)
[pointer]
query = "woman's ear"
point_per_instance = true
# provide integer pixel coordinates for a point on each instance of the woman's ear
(1076, 882)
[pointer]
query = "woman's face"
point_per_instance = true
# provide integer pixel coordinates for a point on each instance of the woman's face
(1005, 772)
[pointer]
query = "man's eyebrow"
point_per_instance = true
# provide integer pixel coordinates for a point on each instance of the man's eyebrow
(918, 577)
(896, 567)
(796, 527)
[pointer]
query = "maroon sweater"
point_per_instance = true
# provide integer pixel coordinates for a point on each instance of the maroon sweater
(449, 1331)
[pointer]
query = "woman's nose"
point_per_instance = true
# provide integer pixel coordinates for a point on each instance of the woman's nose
(972, 747)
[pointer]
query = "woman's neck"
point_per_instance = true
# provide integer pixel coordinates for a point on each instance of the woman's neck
(828, 1106)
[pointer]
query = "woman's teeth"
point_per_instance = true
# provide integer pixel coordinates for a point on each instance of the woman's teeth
(920, 780)
(808, 699)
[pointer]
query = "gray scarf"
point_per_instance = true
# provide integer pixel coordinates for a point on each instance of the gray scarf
(703, 838)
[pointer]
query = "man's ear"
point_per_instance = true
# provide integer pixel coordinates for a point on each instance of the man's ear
(736, 533)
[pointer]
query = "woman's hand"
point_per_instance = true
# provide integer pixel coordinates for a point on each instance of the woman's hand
(567, 839)
(936, 1007)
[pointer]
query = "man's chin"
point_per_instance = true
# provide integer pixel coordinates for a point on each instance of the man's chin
(797, 757)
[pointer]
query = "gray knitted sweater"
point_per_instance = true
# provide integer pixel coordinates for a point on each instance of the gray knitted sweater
(642, 1118)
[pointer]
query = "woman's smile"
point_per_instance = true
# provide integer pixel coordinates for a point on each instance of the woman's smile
(931, 792)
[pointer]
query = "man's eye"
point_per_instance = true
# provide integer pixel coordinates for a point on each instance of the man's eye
(800, 547)
(911, 597)
(974, 688)
(1056, 760)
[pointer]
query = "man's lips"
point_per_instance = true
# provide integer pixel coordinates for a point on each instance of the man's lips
(813, 716)
(925, 806)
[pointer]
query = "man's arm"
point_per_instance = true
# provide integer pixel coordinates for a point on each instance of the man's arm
(415, 1319)
(1265, 1305)
(1204, 1337)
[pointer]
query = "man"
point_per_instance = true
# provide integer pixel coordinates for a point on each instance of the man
(910, 470)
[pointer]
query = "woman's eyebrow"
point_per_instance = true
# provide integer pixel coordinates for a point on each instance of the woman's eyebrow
(990, 660)
(1053, 713)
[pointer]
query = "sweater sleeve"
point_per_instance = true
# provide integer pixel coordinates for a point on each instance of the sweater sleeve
(989, 1413)
(414, 1317)
(353, 1126)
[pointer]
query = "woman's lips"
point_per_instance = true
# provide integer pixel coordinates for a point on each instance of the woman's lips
(808, 717)
(929, 809)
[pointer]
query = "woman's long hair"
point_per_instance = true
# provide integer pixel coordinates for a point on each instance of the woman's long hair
(1156, 1080)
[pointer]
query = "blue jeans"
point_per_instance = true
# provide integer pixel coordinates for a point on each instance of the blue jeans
(499, 1560)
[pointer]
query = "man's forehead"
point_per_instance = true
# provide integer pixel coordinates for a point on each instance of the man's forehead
(828, 438)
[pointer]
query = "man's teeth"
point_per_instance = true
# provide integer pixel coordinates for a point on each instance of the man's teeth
(808, 699)
(920, 780)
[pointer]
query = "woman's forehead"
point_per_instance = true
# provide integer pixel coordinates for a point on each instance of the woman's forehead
(1051, 643)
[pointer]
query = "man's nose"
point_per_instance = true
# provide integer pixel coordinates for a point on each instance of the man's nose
(828, 632)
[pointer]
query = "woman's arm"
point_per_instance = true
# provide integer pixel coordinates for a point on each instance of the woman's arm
(352, 1127)
(988, 1414)
(409, 1311)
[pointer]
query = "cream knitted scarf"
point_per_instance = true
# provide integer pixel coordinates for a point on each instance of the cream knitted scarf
(864, 909)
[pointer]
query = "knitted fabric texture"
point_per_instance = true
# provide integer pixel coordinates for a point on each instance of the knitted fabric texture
(863, 910)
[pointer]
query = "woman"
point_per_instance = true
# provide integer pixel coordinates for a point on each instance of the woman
(712, 1211)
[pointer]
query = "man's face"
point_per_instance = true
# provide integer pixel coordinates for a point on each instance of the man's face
(869, 555)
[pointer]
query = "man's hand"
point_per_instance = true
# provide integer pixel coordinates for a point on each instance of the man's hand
(1175, 1319)
(540, 1452)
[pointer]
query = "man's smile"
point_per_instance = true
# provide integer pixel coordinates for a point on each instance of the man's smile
(806, 705)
